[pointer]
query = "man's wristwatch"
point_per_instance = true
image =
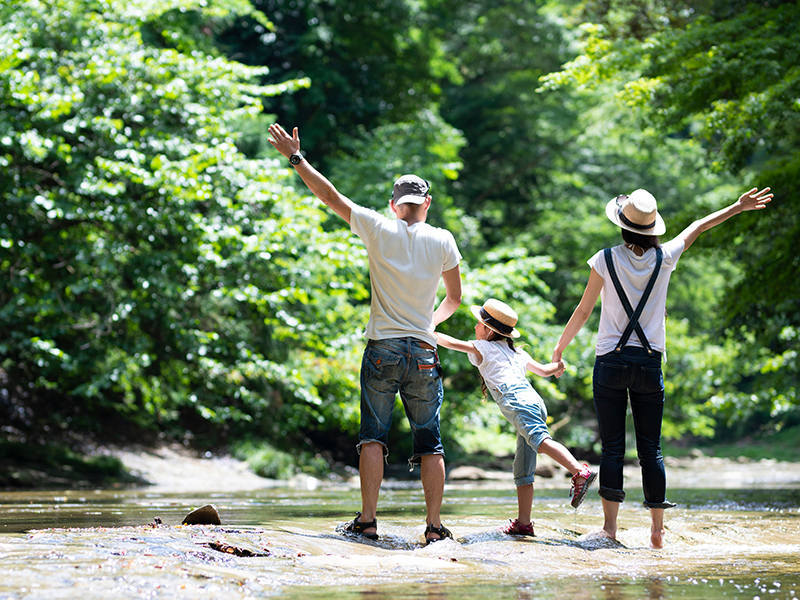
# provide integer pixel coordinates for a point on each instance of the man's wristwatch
(295, 159)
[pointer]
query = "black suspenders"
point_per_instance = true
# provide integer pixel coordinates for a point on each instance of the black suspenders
(633, 315)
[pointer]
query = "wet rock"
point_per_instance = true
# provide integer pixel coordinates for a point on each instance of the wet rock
(205, 515)
(236, 550)
(547, 471)
(468, 474)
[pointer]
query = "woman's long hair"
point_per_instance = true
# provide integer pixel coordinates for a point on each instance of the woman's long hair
(643, 241)
(495, 337)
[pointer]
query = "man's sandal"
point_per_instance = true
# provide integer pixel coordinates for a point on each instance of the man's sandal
(357, 527)
(442, 531)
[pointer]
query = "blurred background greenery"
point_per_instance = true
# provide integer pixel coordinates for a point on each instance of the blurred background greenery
(164, 276)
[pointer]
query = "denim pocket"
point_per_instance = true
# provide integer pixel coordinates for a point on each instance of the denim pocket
(378, 359)
(612, 375)
(652, 379)
(429, 364)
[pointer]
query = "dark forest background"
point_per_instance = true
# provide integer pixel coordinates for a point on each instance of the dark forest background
(165, 276)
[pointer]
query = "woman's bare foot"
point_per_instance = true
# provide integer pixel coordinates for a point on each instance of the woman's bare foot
(610, 534)
(657, 528)
(657, 538)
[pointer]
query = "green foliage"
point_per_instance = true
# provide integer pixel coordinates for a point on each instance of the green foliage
(267, 461)
(773, 444)
(731, 78)
(514, 138)
(154, 270)
(366, 166)
(368, 63)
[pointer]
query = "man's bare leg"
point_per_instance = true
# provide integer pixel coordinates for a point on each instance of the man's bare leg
(657, 529)
(433, 475)
(370, 472)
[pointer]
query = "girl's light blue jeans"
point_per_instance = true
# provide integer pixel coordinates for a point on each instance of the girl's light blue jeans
(524, 408)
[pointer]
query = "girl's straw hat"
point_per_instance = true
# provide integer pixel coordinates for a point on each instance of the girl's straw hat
(637, 212)
(497, 316)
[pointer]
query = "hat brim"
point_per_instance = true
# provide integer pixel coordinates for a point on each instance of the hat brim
(611, 212)
(410, 199)
(476, 312)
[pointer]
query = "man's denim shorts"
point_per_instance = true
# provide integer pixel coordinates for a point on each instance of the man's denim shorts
(411, 367)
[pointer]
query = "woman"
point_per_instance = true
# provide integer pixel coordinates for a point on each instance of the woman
(628, 355)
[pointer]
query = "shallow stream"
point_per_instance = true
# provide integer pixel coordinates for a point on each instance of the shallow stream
(722, 542)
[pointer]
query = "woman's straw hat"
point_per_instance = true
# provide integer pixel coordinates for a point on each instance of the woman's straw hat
(637, 212)
(497, 316)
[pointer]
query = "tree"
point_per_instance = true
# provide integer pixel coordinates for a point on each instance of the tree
(154, 272)
(368, 64)
(492, 57)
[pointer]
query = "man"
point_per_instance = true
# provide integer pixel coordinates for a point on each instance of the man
(407, 257)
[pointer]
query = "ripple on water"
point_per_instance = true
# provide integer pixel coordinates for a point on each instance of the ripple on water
(711, 553)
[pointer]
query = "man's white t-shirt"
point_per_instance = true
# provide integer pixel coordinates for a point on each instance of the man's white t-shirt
(405, 266)
(634, 272)
(500, 364)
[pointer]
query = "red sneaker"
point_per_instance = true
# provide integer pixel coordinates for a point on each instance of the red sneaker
(516, 528)
(579, 489)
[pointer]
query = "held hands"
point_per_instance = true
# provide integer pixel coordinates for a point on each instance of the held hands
(557, 367)
(754, 199)
(284, 143)
(557, 360)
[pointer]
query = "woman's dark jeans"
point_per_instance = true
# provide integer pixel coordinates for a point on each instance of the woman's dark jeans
(618, 375)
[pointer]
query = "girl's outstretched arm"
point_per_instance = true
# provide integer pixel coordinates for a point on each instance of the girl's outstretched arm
(553, 368)
(452, 343)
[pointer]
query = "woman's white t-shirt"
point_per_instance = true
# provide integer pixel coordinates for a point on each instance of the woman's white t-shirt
(500, 364)
(634, 272)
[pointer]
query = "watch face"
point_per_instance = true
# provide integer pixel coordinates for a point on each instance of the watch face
(295, 159)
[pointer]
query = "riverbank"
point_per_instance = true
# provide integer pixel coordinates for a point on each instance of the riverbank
(173, 469)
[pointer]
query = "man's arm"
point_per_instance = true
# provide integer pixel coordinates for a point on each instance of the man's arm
(452, 299)
(322, 188)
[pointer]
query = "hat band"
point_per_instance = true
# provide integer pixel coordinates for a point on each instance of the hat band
(630, 223)
(490, 320)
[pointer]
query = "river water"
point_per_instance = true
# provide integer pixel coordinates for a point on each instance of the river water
(731, 537)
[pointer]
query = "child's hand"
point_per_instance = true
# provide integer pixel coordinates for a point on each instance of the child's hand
(560, 367)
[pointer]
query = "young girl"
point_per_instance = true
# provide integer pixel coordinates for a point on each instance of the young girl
(503, 370)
